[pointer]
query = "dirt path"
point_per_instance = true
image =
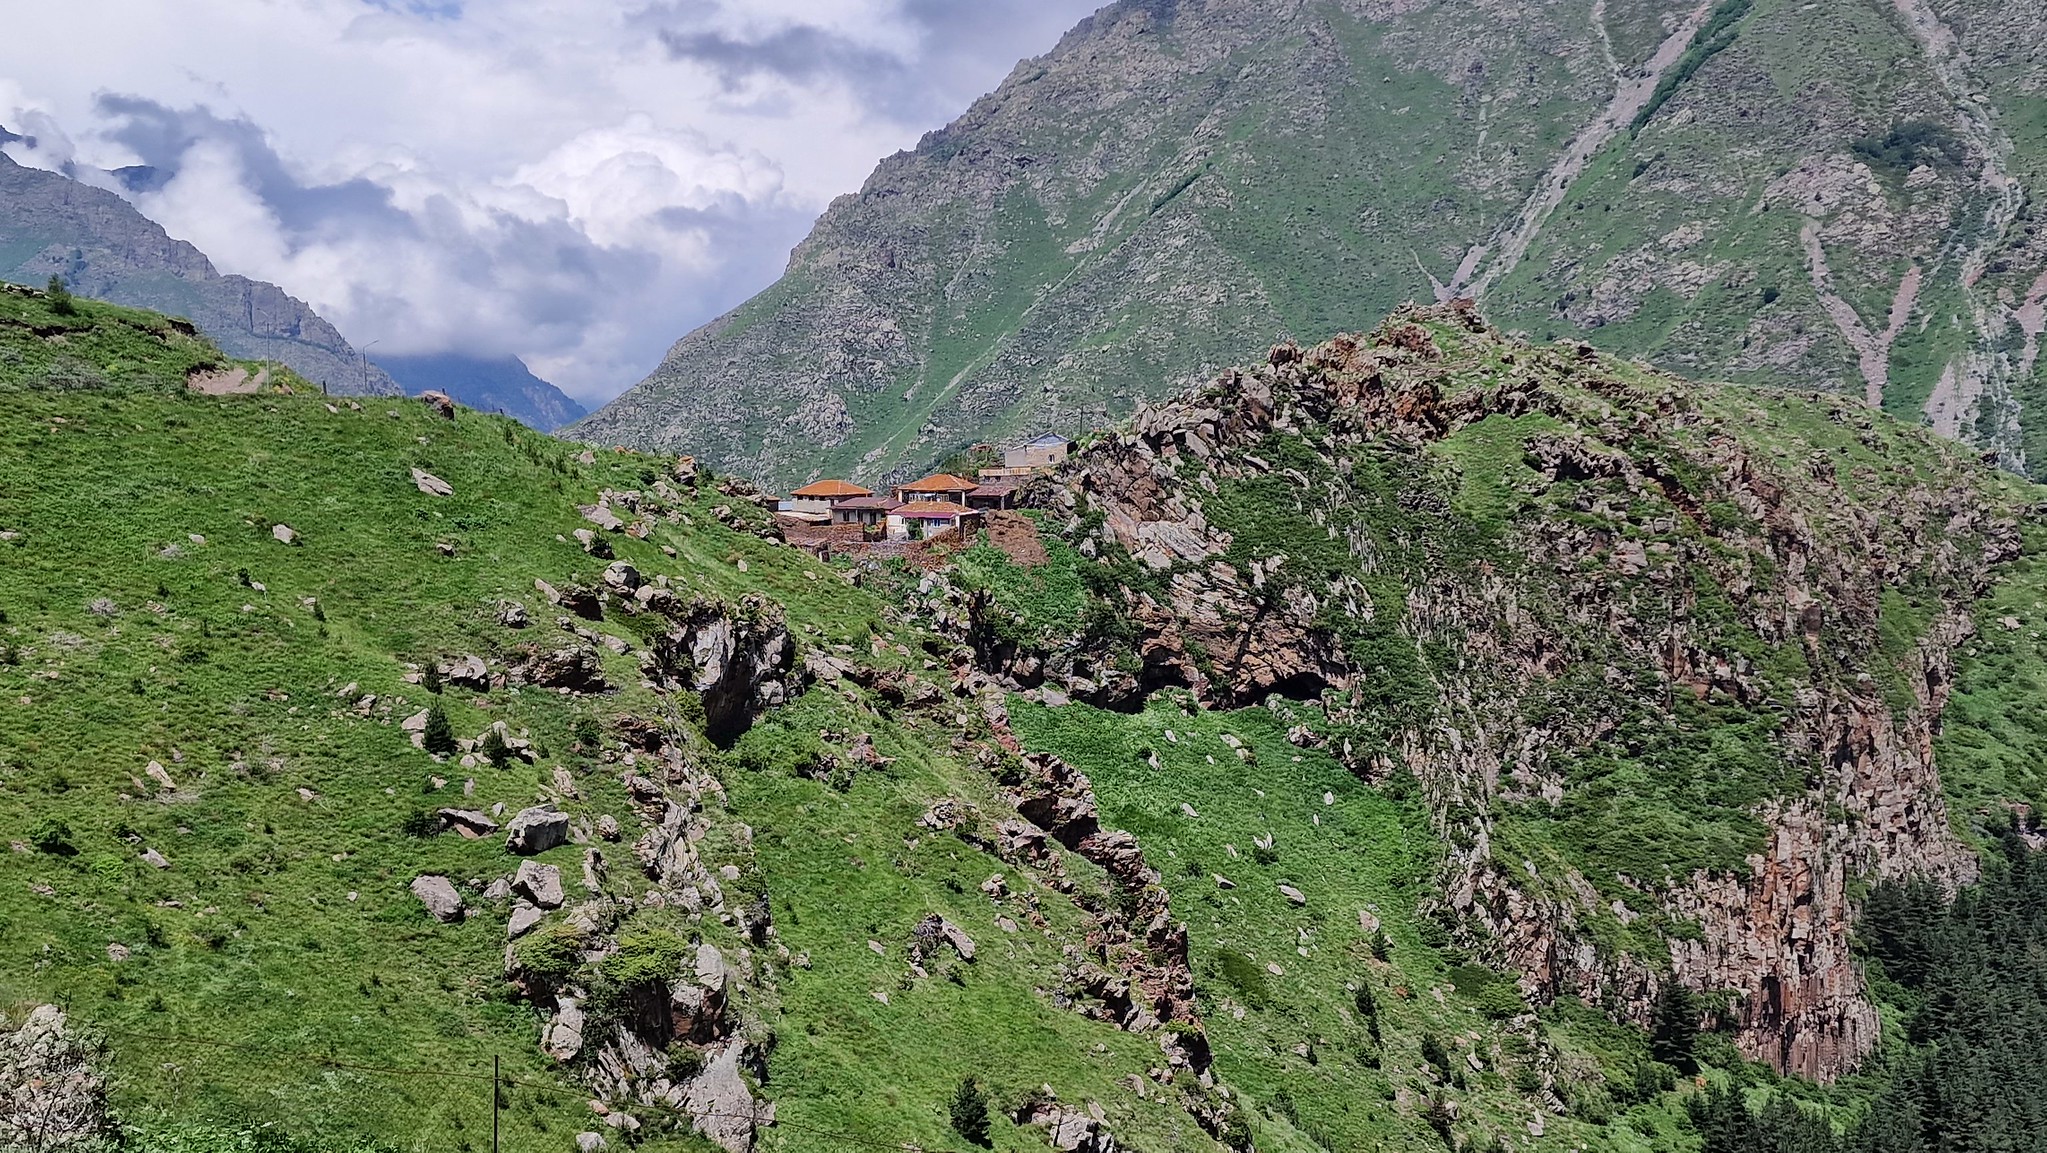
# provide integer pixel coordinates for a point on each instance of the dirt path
(1872, 349)
(1630, 95)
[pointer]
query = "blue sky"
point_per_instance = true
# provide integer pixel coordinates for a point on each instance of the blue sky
(577, 182)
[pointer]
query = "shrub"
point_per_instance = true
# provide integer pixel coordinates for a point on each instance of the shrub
(494, 749)
(61, 302)
(52, 836)
(969, 1113)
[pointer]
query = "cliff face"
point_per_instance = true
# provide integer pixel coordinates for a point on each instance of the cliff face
(1667, 660)
(1825, 195)
(104, 248)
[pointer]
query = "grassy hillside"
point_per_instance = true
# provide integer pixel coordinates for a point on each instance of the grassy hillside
(214, 809)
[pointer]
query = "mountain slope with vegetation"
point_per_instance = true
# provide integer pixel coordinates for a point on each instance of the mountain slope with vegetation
(1378, 754)
(1830, 195)
(102, 247)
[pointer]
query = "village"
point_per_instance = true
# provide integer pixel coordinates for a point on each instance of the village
(834, 517)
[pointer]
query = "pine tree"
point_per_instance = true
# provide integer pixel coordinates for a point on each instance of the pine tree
(60, 297)
(1674, 1028)
(969, 1113)
(439, 737)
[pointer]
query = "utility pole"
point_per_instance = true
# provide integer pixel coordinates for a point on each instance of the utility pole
(494, 1081)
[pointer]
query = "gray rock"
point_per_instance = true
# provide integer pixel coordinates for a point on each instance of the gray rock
(536, 830)
(512, 615)
(284, 533)
(439, 896)
(524, 918)
(430, 484)
(562, 1038)
(607, 827)
(589, 1142)
(468, 822)
(154, 859)
(1293, 895)
(470, 672)
(720, 1105)
(542, 884)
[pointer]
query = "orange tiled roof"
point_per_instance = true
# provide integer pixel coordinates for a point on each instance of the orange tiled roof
(933, 509)
(827, 489)
(940, 482)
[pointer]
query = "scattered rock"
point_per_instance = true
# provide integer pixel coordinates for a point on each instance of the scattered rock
(441, 403)
(284, 533)
(607, 827)
(154, 859)
(439, 896)
(589, 1142)
(430, 484)
(1293, 895)
(1222, 882)
(155, 772)
(512, 615)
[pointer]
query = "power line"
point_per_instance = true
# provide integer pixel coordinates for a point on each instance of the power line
(330, 1062)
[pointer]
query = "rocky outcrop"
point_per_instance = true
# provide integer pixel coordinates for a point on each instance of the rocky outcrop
(1654, 558)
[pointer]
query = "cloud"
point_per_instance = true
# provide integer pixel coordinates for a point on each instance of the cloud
(577, 182)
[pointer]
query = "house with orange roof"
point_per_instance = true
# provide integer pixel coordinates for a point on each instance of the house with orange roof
(943, 487)
(813, 503)
(921, 519)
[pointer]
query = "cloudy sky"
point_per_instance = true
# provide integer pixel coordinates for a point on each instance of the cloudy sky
(578, 182)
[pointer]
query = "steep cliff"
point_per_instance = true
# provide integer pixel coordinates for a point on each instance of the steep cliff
(1829, 195)
(104, 248)
(1668, 661)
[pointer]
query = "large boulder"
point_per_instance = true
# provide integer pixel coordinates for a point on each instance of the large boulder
(720, 1105)
(439, 896)
(537, 830)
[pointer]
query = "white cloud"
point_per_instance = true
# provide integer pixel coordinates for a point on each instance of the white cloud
(575, 181)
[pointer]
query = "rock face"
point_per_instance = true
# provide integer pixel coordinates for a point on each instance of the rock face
(1656, 574)
(739, 660)
(537, 830)
(103, 247)
(439, 896)
(1108, 226)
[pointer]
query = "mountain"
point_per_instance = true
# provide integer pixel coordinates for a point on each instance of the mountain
(501, 384)
(1825, 193)
(102, 247)
(1420, 740)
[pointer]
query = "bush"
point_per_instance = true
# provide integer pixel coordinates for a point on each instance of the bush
(969, 1113)
(494, 749)
(52, 836)
(61, 302)
(439, 737)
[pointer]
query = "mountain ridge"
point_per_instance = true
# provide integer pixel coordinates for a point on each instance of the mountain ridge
(51, 225)
(1688, 181)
